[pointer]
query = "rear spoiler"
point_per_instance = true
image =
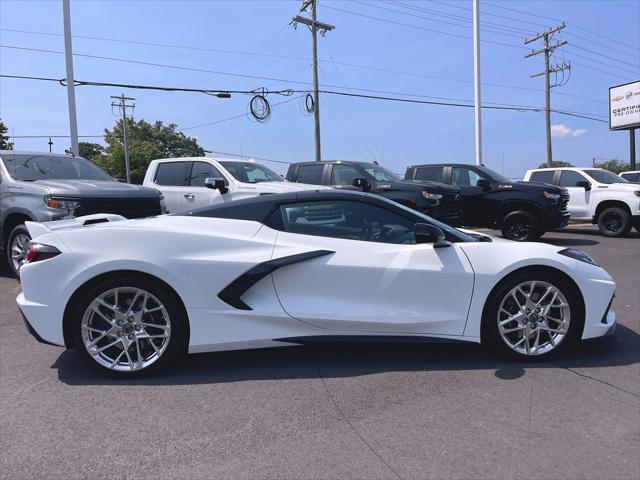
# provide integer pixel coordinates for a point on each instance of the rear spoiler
(36, 228)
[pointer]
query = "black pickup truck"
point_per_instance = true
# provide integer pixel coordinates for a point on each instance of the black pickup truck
(524, 211)
(437, 200)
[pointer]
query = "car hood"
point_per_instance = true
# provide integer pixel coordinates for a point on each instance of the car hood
(619, 187)
(279, 187)
(95, 188)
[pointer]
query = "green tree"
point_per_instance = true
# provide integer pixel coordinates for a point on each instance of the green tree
(614, 165)
(4, 138)
(556, 164)
(146, 142)
(89, 150)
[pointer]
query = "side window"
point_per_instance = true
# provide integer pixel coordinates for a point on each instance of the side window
(545, 176)
(343, 175)
(569, 178)
(347, 220)
(201, 171)
(171, 174)
(310, 174)
(464, 177)
(429, 173)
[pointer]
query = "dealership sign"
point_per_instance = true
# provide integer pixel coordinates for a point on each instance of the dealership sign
(624, 106)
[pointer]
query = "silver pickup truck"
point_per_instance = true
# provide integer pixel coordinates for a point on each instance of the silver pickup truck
(45, 187)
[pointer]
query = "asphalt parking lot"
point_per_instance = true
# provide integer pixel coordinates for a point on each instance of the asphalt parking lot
(334, 411)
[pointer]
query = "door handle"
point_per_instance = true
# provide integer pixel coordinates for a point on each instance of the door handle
(189, 196)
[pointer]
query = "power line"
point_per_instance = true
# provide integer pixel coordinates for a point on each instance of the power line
(288, 92)
(418, 27)
(597, 34)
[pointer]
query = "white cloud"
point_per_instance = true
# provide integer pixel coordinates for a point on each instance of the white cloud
(561, 130)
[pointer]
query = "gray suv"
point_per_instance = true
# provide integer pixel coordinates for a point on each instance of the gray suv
(45, 187)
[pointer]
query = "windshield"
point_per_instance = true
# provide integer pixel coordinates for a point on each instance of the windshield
(379, 173)
(494, 175)
(29, 168)
(604, 176)
(248, 172)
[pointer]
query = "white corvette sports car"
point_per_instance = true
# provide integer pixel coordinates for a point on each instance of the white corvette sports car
(274, 270)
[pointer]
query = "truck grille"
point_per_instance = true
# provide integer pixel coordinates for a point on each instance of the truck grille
(127, 207)
(564, 201)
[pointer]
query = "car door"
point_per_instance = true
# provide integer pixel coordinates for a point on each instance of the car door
(579, 197)
(195, 194)
(370, 276)
(474, 198)
(170, 179)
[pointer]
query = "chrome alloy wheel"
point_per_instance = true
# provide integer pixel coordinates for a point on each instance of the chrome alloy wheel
(533, 318)
(126, 329)
(19, 249)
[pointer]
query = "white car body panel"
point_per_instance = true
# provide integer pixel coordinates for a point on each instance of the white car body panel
(184, 198)
(364, 288)
(583, 204)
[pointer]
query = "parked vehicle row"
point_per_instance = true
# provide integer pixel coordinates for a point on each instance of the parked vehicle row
(44, 187)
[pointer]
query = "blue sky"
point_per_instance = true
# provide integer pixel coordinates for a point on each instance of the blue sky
(431, 60)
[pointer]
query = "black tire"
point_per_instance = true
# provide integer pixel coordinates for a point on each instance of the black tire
(490, 333)
(521, 226)
(179, 332)
(614, 222)
(18, 231)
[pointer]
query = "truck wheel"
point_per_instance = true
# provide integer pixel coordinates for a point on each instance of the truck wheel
(521, 226)
(17, 248)
(614, 222)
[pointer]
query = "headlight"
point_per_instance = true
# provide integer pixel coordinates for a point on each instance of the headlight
(62, 203)
(431, 196)
(578, 255)
(637, 193)
(551, 196)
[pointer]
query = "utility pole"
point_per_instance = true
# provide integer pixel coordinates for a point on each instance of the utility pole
(71, 92)
(50, 144)
(314, 26)
(548, 50)
(122, 105)
(476, 80)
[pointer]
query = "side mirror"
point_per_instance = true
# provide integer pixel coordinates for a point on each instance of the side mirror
(362, 183)
(427, 233)
(216, 184)
(584, 184)
(484, 184)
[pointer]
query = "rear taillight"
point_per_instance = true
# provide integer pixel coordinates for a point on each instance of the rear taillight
(38, 252)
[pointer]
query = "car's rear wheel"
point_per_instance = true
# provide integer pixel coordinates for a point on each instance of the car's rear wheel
(521, 226)
(532, 316)
(614, 222)
(17, 248)
(128, 327)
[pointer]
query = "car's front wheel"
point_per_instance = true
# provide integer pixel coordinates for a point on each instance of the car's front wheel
(614, 222)
(17, 248)
(532, 316)
(127, 327)
(521, 226)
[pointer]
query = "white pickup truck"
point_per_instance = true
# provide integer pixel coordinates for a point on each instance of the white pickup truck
(596, 195)
(188, 183)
